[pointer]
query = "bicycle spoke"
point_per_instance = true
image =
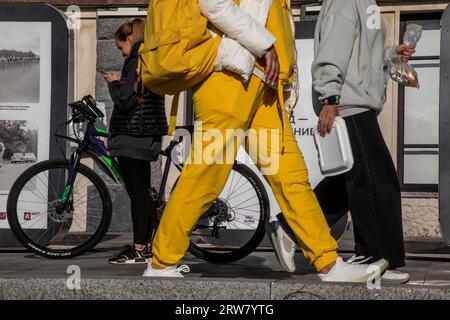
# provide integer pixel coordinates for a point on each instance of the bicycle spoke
(244, 201)
(38, 195)
(255, 211)
(231, 184)
(237, 183)
(238, 186)
(251, 188)
(36, 188)
(249, 206)
(45, 232)
(65, 231)
(48, 186)
(29, 201)
(76, 234)
(34, 223)
(235, 224)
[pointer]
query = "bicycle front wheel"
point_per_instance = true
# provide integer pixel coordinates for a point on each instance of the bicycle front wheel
(233, 226)
(35, 216)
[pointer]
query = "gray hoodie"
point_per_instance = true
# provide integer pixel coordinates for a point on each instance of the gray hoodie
(350, 56)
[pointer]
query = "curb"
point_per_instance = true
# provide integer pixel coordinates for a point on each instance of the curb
(207, 289)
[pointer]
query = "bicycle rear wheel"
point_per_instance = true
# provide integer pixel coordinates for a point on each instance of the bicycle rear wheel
(234, 225)
(38, 223)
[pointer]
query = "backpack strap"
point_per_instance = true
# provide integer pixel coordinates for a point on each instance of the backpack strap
(138, 85)
(173, 114)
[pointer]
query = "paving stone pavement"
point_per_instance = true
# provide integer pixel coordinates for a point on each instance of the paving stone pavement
(258, 276)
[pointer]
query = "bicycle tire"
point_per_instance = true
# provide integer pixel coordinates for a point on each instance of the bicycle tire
(257, 237)
(14, 223)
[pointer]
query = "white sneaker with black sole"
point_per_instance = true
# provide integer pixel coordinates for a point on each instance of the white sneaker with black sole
(169, 272)
(354, 273)
(282, 244)
(389, 277)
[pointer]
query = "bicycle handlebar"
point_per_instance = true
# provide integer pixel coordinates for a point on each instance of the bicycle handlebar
(85, 110)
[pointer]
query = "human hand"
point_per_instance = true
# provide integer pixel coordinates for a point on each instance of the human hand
(110, 77)
(326, 119)
(272, 66)
(405, 52)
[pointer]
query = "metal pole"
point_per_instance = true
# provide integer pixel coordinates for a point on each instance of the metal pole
(444, 128)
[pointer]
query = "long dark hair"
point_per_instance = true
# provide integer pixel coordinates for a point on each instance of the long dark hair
(134, 28)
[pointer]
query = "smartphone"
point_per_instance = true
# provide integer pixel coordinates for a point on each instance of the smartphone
(102, 71)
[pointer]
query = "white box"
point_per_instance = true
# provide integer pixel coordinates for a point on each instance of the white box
(334, 150)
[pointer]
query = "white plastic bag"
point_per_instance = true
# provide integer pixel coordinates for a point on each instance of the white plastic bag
(400, 71)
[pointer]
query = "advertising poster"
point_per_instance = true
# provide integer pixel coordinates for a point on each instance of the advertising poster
(25, 98)
(304, 119)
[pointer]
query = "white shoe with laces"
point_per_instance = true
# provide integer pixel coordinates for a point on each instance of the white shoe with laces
(282, 244)
(358, 260)
(390, 276)
(395, 276)
(354, 273)
(171, 272)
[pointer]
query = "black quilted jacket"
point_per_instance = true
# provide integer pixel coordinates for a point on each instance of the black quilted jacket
(145, 116)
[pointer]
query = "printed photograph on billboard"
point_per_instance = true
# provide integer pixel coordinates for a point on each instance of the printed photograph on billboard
(25, 100)
(19, 64)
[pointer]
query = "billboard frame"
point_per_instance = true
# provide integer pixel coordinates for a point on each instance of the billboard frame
(61, 70)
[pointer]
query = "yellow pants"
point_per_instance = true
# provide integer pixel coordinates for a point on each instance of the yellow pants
(223, 102)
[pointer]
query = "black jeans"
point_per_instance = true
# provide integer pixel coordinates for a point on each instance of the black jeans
(371, 191)
(136, 174)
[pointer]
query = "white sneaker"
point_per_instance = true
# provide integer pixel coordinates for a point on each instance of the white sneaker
(355, 273)
(282, 244)
(358, 259)
(390, 276)
(395, 276)
(172, 271)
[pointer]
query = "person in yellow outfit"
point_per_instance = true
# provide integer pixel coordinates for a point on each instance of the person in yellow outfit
(224, 102)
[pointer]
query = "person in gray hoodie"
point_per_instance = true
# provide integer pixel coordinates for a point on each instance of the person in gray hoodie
(349, 76)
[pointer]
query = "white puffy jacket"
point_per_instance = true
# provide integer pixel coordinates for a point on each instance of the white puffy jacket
(246, 36)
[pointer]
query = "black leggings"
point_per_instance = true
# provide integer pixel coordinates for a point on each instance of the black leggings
(136, 174)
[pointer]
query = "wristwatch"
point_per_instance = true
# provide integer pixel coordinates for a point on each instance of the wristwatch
(333, 100)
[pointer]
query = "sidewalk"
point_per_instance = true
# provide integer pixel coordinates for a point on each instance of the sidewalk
(258, 276)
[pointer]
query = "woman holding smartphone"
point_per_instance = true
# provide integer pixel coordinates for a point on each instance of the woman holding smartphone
(137, 126)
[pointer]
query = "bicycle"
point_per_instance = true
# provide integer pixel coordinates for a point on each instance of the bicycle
(63, 208)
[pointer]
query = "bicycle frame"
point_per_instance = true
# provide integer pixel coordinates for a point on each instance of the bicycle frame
(95, 148)
(63, 194)
(167, 152)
